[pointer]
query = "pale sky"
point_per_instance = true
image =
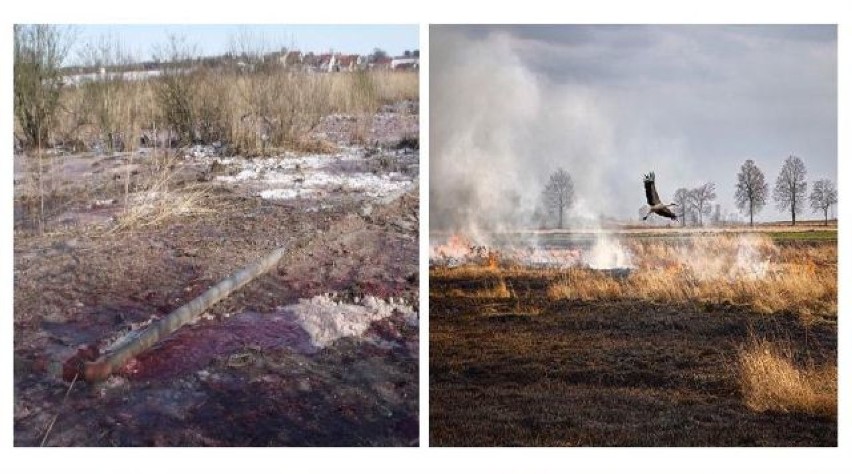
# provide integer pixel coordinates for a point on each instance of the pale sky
(140, 39)
(510, 104)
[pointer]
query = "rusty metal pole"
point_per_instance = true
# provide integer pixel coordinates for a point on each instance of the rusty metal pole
(136, 343)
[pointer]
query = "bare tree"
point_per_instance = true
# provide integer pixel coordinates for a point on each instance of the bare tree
(701, 198)
(823, 196)
(684, 204)
(105, 96)
(175, 90)
(558, 195)
(752, 190)
(791, 187)
(39, 53)
(717, 214)
(378, 54)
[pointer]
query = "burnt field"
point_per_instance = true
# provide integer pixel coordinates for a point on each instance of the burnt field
(708, 341)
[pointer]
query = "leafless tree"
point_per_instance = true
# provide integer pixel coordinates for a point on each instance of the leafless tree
(701, 198)
(823, 196)
(791, 186)
(175, 90)
(558, 195)
(752, 190)
(717, 214)
(39, 51)
(106, 100)
(38, 55)
(684, 204)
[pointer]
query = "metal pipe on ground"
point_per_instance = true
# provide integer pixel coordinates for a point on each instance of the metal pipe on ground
(82, 362)
(136, 343)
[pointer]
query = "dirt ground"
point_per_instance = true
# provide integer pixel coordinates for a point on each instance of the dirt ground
(243, 375)
(528, 371)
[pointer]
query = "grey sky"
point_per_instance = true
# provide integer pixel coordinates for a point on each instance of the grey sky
(609, 103)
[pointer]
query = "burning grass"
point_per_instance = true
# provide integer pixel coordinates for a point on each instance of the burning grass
(737, 270)
(771, 381)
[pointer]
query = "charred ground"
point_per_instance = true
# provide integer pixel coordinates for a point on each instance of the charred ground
(525, 369)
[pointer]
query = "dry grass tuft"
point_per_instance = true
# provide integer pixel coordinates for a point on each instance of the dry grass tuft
(153, 207)
(496, 290)
(160, 201)
(583, 284)
(771, 381)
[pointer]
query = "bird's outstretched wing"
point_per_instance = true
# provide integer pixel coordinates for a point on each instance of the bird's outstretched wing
(666, 212)
(651, 190)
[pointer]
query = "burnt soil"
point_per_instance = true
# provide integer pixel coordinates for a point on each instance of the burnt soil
(235, 378)
(531, 372)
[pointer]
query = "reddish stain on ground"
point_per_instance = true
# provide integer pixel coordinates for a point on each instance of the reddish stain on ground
(194, 347)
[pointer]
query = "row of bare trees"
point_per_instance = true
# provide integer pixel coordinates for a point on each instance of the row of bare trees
(693, 204)
(789, 193)
(696, 204)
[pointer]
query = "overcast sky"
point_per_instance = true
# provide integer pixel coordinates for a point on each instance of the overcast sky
(510, 104)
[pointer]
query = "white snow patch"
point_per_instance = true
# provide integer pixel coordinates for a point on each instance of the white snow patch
(291, 177)
(326, 320)
(287, 193)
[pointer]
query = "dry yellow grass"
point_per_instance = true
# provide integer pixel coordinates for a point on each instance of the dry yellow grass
(799, 289)
(159, 201)
(252, 112)
(582, 284)
(771, 381)
(496, 290)
(732, 270)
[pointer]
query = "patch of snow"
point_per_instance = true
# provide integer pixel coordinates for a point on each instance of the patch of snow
(288, 193)
(326, 320)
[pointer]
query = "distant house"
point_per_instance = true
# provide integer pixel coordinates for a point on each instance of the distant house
(310, 60)
(348, 62)
(383, 62)
(292, 59)
(326, 62)
(403, 63)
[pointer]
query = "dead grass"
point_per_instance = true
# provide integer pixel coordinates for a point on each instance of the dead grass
(799, 289)
(161, 200)
(770, 380)
(153, 207)
(719, 271)
(496, 290)
(582, 284)
(251, 112)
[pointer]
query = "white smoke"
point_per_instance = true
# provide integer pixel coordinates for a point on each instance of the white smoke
(499, 131)
(607, 254)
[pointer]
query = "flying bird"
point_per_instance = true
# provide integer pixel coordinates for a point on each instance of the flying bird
(657, 207)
